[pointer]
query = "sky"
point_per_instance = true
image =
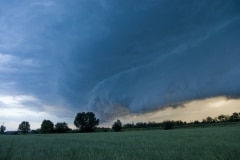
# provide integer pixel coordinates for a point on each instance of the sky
(130, 60)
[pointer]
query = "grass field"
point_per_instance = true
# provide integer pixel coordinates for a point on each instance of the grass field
(214, 143)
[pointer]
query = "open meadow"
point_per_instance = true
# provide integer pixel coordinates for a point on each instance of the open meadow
(213, 143)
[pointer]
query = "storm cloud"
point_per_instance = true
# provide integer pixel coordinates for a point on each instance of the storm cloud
(119, 57)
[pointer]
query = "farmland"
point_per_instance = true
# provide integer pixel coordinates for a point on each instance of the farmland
(191, 143)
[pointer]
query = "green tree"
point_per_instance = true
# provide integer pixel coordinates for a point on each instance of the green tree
(61, 127)
(234, 117)
(47, 126)
(196, 122)
(221, 118)
(24, 127)
(167, 124)
(117, 126)
(2, 129)
(209, 119)
(86, 121)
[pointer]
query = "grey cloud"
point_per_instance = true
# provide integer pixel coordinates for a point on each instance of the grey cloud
(205, 68)
(115, 57)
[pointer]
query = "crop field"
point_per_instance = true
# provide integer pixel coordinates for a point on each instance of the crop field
(213, 143)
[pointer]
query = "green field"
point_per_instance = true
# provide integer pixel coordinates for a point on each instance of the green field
(213, 143)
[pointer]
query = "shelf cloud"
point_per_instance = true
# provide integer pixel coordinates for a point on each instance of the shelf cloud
(117, 57)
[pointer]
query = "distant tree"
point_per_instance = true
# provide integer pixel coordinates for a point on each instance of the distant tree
(24, 127)
(152, 124)
(227, 118)
(178, 123)
(37, 131)
(141, 125)
(209, 119)
(215, 120)
(222, 118)
(62, 127)
(128, 125)
(234, 117)
(86, 121)
(102, 129)
(167, 125)
(204, 121)
(117, 126)
(47, 126)
(196, 122)
(2, 129)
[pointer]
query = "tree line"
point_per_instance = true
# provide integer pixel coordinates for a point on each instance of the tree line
(169, 124)
(87, 122)
(84, 121)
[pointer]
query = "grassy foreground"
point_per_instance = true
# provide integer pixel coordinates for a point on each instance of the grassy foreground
(215, 143)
